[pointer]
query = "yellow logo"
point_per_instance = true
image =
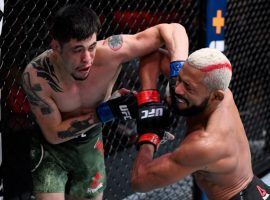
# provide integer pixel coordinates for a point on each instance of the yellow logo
(218, 21)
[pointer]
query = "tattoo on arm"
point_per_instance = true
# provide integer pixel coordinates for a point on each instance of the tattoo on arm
(32, 96)
(46, 71)
(115, 42)
(76, 128)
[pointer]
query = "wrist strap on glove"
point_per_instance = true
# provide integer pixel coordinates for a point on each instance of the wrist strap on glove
(104, 112)
(147, 96)
(175, 67)
(150, 138)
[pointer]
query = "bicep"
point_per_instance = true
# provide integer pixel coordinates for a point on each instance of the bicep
(141, 43)
(122, 48)
(200, 151)
(166, 170)
(42, 106)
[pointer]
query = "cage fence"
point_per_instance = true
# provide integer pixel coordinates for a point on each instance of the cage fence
(25, 35)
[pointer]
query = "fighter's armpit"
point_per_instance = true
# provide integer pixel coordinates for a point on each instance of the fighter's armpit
(32, 94)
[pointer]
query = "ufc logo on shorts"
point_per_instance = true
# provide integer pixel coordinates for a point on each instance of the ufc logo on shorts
(154, 112)
(125, 112)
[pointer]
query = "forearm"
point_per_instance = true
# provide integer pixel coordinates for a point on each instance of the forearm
(176, 40)
(139, 171)
(70, 128)
(152, 65)
(149, 173)
(149, 70)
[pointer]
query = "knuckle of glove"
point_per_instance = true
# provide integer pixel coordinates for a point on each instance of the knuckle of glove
(125, 107)
(152, 119)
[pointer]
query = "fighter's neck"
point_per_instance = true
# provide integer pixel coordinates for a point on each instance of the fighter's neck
(196, 122)
(201, 119)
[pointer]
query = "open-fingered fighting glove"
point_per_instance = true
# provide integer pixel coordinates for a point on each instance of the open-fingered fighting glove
(119, 106)
(153, 118)
(175, 67)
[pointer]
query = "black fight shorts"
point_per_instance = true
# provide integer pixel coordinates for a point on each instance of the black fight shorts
(256, 190)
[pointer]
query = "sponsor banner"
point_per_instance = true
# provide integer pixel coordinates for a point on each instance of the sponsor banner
(215, 22)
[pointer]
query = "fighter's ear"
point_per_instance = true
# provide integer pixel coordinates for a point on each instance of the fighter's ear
(217, 95)
(55, 45)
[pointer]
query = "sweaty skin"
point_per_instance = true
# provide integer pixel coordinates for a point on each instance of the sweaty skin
(227, 168)
(65, 84)
(80, 74)
(215, 149)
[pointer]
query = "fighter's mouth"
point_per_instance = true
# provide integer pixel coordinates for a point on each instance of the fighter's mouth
(83, 69)
(180, 100)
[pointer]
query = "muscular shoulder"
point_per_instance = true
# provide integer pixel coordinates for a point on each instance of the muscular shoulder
(39, 62)
(200, 149)
(38, 73)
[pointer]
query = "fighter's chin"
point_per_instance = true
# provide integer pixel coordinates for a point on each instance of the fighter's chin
(183, 112)
(190, 111)
(80, 77)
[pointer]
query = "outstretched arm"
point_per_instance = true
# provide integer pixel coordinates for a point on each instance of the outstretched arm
(149, 174)
(198, 151)
(122, 48)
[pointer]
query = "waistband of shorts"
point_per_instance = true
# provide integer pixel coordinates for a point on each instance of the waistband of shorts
(38, 137)
(88, 135)
(240, 195)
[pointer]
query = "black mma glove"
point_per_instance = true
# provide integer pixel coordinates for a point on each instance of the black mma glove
(123, 107)
(152, 118)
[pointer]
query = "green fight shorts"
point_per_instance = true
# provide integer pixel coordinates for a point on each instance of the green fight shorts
(75, 168)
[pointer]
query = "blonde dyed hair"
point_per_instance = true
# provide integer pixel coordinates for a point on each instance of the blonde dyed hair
(215, 65)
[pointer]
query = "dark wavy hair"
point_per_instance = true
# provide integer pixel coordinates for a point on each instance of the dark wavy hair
(74, 22)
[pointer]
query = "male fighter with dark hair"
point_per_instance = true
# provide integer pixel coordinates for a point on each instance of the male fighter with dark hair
(68, 86)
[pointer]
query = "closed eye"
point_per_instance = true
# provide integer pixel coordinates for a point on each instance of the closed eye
(77, 49)
(92, 46)
(187, 86)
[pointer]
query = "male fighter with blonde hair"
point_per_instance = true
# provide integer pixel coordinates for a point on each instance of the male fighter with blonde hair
(215, 148)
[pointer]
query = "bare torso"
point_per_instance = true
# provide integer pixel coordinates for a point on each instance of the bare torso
(81, 97)
(225, 177)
